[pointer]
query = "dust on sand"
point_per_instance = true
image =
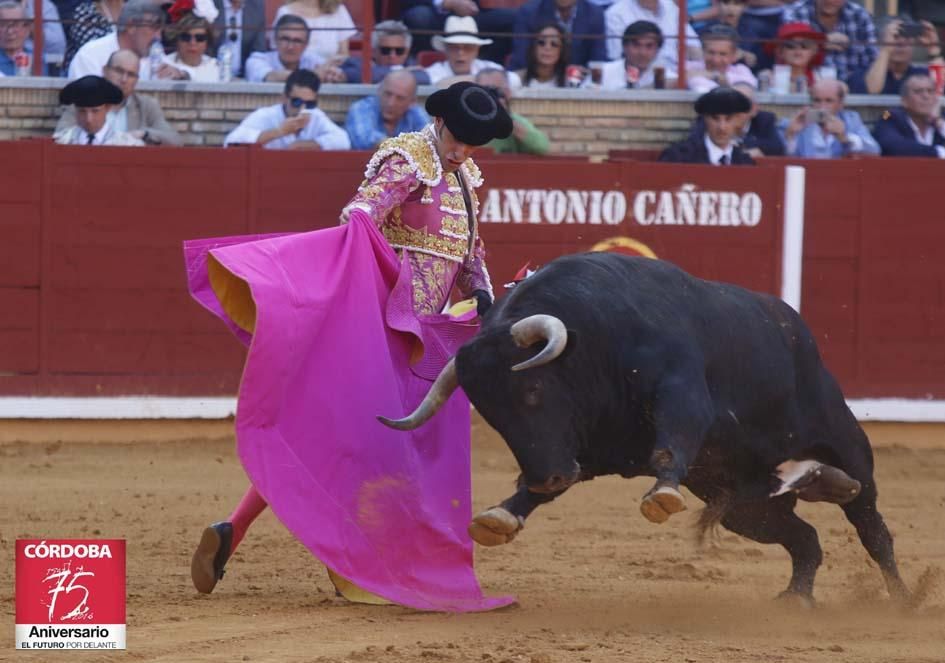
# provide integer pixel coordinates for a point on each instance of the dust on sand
(595, 581)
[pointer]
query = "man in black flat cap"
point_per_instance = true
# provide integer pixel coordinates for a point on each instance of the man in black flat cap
(723, 110)
(93, 97)
(420, 192)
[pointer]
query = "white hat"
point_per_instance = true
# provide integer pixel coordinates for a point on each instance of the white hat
(459, 30)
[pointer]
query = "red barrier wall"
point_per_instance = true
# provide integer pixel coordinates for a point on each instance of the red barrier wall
(92, 295)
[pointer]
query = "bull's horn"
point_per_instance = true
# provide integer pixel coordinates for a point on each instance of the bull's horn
(535, 328)
(444, 385)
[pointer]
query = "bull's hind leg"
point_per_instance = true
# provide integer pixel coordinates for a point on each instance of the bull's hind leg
(875, 537)
(774, 521)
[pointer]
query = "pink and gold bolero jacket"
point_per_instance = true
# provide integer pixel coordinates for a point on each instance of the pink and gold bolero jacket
(420, 210)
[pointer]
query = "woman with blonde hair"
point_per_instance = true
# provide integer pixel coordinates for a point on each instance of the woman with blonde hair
(330, 24)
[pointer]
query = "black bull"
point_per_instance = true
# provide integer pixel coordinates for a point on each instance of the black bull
(604, 364)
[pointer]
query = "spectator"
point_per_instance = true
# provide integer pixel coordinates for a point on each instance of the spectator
(730, 14)
(432, 16)
(139, 115)
(526, 138)
(393, 111)
(826, 130)
(893, 64)
(719, 66)
(290, 54)
(290, 126)
(642, 43)
(664, 13)
(757, 25)
(14, 31)
(190, 31)
(54, 37)
(139, 24)
(576, 17)
(242, 24)
(917, 129)
(330, 24)
(461, 43)
(801, 46)
(851, 37)
(390, 51)
(758, 135)
(722, 110)
(93, 97)
(91, 20)
(547, 59)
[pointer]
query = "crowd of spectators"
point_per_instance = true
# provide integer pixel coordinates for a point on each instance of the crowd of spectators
(826, 49)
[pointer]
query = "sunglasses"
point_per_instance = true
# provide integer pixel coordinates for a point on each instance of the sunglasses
(187, 37)
(554, 43)
(396, 50)
(298, 103)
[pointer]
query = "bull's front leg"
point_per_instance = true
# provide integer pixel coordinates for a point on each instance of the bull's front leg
(682, 413)
(500, 524)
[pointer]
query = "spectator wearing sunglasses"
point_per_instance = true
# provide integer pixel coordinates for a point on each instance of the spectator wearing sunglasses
(295, 124)
(391, 112)
(138, 114)
(242, 24)
(547, 60)
(390, 51)
(576, 17)
(801, 47)
(525, 138)
(290, 54)
(191, 35)
(14, 31)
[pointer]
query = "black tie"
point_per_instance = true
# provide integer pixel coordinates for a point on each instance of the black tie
(723, 160)
(91, 139)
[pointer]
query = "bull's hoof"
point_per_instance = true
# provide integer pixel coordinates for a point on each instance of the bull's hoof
(495, 527)
(812, 481)
(662, 502)
(797, 600)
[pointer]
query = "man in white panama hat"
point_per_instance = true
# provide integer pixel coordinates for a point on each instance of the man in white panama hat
(461, 43)
(424, 17)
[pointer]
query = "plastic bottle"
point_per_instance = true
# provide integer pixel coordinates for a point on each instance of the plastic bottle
(155, 58)
(225, 62)
(22, 62)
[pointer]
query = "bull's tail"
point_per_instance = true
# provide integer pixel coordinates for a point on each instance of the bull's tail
(710, 517)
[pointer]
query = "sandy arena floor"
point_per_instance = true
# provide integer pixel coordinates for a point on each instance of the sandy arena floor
(595, 581)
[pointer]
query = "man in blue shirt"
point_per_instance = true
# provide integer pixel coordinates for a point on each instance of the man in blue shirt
(391, 112)
(826, 130)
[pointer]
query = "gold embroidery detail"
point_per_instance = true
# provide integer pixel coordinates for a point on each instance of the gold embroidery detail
(418, 239)
(416, 150)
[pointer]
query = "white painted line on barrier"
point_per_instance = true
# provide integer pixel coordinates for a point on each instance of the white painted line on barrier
(119, 407)
(792, 245)
(158, 407)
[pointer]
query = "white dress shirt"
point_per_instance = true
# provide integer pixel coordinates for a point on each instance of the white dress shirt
(320, 129)
(440, 70)
(624, 12)
(716, 152)
(92, 57)
(259, 65)
(107, 135)
(208, 71)
(927, 137)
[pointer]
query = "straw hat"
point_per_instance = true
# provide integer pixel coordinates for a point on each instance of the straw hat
(459, 30)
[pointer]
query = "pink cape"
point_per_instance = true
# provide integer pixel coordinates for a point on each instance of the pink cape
(330, 349)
